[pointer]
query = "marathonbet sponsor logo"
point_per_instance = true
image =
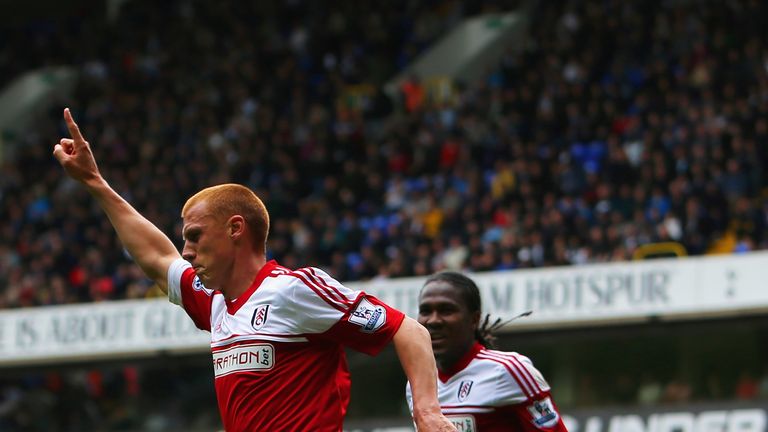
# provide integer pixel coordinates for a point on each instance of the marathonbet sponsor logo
(243, 358)
(462, 423)
(368, 316)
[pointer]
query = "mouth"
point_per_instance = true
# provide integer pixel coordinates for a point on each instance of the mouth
(437, 338)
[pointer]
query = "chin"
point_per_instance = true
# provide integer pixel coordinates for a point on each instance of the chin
(205, 280)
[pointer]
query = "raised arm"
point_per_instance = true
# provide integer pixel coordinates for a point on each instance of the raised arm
(413, 346)
(152, 250)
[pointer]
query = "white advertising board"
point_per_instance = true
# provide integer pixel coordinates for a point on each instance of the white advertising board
(559, 297)
(91, 331)
(614, 292)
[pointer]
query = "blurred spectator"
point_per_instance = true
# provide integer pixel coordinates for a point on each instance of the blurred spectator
(677, 391)
(624, 388)
(762, 387)
(649, 391)
(587, 394)
(747, 387)
(713, 388)
(414, 94)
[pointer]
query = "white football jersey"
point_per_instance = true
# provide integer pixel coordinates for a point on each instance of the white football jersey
(491, 390)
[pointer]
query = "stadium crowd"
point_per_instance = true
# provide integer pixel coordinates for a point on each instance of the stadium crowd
(615, 124)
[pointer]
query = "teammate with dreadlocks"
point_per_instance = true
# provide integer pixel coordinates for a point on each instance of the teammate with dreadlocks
(479, 388)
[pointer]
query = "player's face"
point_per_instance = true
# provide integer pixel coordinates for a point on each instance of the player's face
(451, 325)
(206, 246)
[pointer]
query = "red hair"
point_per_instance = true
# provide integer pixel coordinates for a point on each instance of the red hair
(227, 200)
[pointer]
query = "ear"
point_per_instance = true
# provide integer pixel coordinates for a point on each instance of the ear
(476, 320)
(235, 226)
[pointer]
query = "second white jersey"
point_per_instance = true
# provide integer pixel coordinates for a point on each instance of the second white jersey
(495, 390)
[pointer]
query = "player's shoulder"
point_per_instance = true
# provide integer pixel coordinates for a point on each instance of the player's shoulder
(309, 281)
(507, 363)
(501, 358)
(304, 276)
(517, 370)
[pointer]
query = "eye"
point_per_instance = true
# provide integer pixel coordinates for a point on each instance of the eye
(192, 236)
(448, 309)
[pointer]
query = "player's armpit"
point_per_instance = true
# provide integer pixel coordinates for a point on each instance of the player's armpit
(162, 285)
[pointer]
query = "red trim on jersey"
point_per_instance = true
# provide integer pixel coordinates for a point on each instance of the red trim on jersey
(515, 372)
(520, 365)
(332, 293)
(461, 364)
(235, 305)
(320, 292)
(331, 287)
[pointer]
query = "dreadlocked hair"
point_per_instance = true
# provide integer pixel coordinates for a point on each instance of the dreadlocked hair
(485, 333)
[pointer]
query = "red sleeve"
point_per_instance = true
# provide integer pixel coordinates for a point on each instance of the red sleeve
(368, 326)
(537, 415)
(196, 299)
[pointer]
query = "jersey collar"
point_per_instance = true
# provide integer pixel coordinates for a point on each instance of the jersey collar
(461, 364)
(234, 305)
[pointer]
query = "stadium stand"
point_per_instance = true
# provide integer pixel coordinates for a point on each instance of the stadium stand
(578, 148)
(614, 125)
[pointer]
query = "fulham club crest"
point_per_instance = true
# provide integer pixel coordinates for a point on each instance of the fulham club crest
(464, 388)
(259, 317)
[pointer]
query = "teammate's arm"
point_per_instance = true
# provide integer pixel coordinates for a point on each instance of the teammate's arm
(152, 250)
(413, 346)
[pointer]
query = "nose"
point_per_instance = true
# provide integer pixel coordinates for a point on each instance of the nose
(431, 319)
(187, 253)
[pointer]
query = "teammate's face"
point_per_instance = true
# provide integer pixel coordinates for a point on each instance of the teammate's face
(206, 245)
(451, 325)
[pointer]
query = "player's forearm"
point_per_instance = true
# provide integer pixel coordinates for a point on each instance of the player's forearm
(414, 349)
(152, 250)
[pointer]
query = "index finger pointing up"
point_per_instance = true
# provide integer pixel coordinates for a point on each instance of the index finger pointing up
(74, 131)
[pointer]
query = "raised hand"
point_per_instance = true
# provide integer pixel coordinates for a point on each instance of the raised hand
(74, 154)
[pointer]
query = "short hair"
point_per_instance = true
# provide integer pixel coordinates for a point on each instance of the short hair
(229, 199)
